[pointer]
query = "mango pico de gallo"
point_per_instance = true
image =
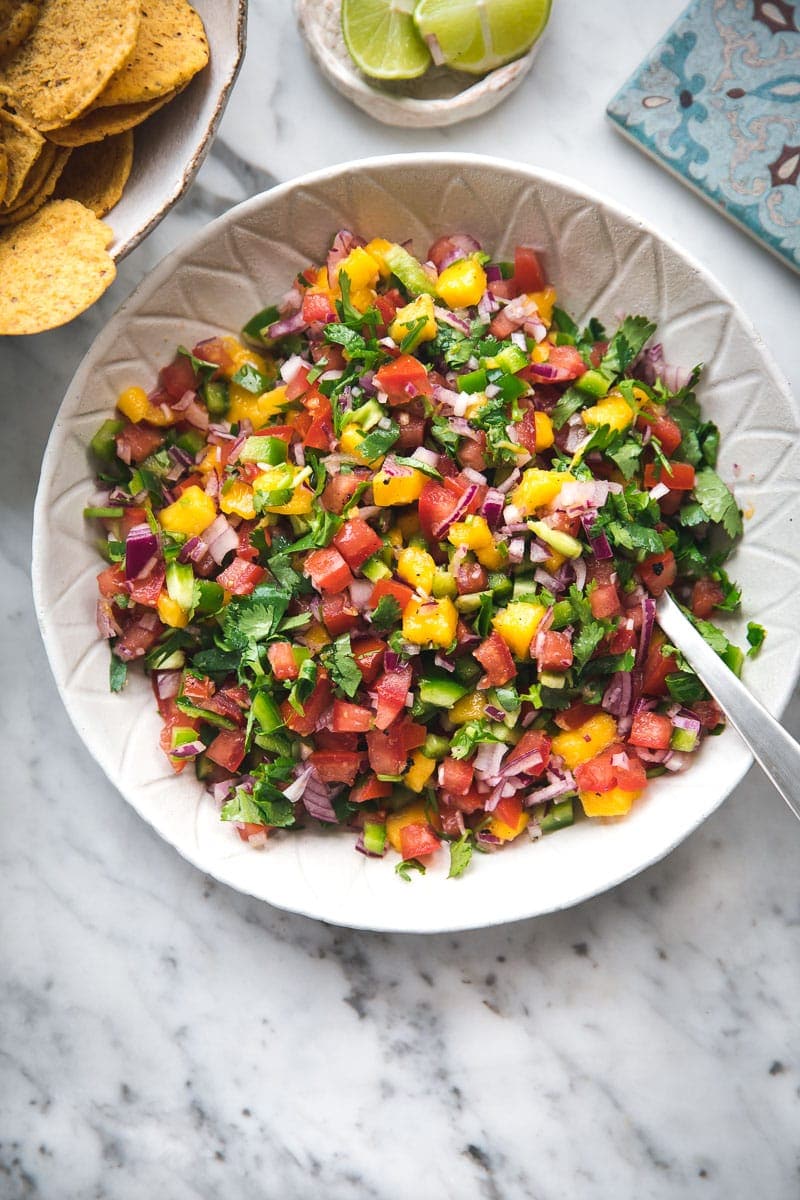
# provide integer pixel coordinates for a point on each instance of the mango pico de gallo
(390, 556)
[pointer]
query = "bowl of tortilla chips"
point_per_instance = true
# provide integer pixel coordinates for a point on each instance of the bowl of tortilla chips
(106, 113)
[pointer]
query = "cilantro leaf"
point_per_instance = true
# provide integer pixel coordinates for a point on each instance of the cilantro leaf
(251, 379)
(404, 868)
(626, 345)
(587, 640)
(117, 673)
(626, 456)
(460, 855)
(717, 501)
(343, 667)
(378, 442)
(684, 686)
(343, 335)
(445, 435)
(755, 636)
(570, 402)
(255, 617)
(387, 614)
(469, 736)
(303, 686)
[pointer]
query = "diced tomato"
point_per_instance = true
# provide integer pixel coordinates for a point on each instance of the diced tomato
(651, 730)
(197, 689)
(555, 652)
(411, 735)
(576, 715)
(390, 587)
(130, 518)
(326, 739)
(533, 741)
(227, 749)
(623, 638)
(147, 588)
(657, 667)
(418, 840)
(565, 360)
(457, 776)
(471, 802)
(249, 831)
(340, 489)
(706, 596)
(327, 570)
(403, 379)
(246, 549)
(284, 432)
(471, 578)
(529, 274)
(174, 719)
(451, 819)
(509, 810)
(139, 637)
(178, 377)
(679, 477)
(671, 502)
(504, 289)
(313, 707)
(356, 541)
(350, 718)
(460, 484)
(412, 431)
(668, 433)
(597, 353)
(371, 789)
(707, 713)
(111, 582)
(500, 325)
(298, 385)
(386, 757)
(317, 307)
(194, 480)
(238, 693)
(368, 654)
(282, 660)
(601, 570)
(392, 689)
(338, 614)
(336, 766)
(495, 657)
(658, 572)
(472, 452)
(241, 576)
(213, 350)
(387, 306)
(604, 601)
(137, 442)
(435, 505)
(525, 431)
(596, 775)
(224, 705)
(319, 435)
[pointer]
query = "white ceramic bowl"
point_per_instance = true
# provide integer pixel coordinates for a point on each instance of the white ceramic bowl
(603, 261)
(169, 148)
(439, 97)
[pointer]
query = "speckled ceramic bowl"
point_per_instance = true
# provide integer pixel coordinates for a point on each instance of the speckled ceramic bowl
(439, 97)
(602, 260)
(171, 145)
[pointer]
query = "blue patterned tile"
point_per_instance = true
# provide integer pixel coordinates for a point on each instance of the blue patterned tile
(718, 103)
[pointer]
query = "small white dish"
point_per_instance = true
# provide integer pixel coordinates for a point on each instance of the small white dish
(439, 97)
(169, 148)
(603, 260)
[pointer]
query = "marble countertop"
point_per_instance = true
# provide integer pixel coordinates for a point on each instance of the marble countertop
(163, 1036)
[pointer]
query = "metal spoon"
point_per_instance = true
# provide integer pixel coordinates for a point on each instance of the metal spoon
(776, 752)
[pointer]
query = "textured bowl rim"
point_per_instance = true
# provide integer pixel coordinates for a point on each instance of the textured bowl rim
(190, 168)
(162, 271)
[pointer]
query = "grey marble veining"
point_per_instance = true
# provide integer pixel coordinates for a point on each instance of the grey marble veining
(162, 1036)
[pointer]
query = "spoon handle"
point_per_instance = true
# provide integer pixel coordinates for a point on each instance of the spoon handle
(777, 753)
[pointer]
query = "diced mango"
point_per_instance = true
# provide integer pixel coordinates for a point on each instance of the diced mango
(416, 813)
(540, 352)
(473, 532)
(468, 708)
(432, 621)
(133, 404)
(545, 302)
(517, 625)
(613, 410)
(494, 557)
(258, 409)
(191, 513)
(544, 432)
(211, 461)
(417, 568)
(406, 319)
(388, 490)
(577, 746)
(614, 803)
(361, 269)
(377, 249)
(555, 561)
(237, 498)
(301, 503)
(507, 833)
(419, 772)
(462, 284)
(170, 612)
(537, 488)
(242, 356)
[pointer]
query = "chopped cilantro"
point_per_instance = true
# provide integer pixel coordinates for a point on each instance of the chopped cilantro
(387, 614)
(117, 673)
(404, 868)
(755, 636)
(339, 660)
(717, 501)
(460, 855)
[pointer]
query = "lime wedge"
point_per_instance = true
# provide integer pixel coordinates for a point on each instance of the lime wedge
(383, 40)
(479, 35)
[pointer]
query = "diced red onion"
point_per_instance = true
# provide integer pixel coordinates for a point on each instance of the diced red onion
(342, 244)
(652, 366)
(489, 756)
(507, 484)
(489, 841)
(287, 325)
(220, 538)
(688, 721)
(167, 684)
(657, 757)
(107, 625)
(317, 799)
(292, 368)
(523, 764)
(493, 273)
(487, 305)
(658, 491)
(544, 371)
(422, 454)
(463, 428)
(460, 509)
(392, 661)
(516, 550)
(547, 580)
(535, 329)
(360, 592)
(188, 749)
(619, 694)
(212, 485)
(474, 476)
(141, 545)
(494, 713)
(299, 454)
(676, 761)
(294, 791)
(646, 632)
(538, 552)
(558, 788)
(441, 660)
(362, 849)
(193, 551)
(220, 791)
(449, 318)
(579, 567)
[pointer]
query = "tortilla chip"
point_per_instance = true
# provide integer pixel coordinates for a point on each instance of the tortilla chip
(73, 51)
(97, 173)
(170, 49)
(36, 198)
(3, 172)
(35, 177)
(17, 19)
(53, 267)
(105, 122)
(23, 145)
